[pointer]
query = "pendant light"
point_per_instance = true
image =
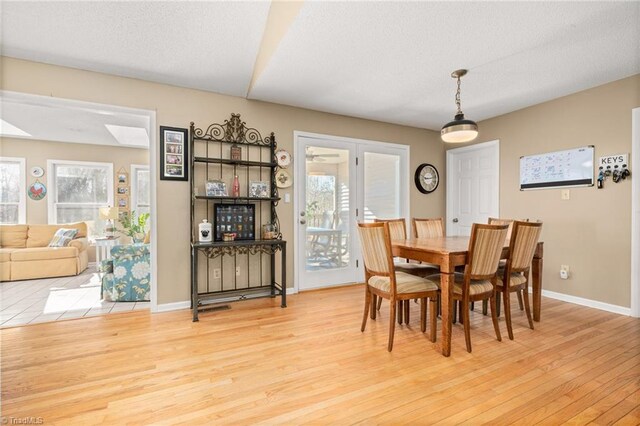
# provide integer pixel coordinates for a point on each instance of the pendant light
(459, 130)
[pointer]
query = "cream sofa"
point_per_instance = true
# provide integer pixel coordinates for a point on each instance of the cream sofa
(25, 255)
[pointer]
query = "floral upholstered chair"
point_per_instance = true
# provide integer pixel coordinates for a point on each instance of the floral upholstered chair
(126, 276)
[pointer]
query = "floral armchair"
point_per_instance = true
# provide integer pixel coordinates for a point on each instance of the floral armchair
(126, 275)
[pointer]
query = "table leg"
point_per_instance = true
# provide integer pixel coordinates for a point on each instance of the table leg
(446, 298)
(536, 284)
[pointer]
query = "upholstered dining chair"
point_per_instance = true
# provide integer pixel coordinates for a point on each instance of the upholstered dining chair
(427, 228)
(479, 281)
(382, 280)
(522, 247)
(398, 232)
(499, 221)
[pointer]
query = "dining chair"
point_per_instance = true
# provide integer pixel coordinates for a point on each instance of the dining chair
(427, 228)
(499, 221)
(522, 247)
(382, 280)
(479, 280)
(398, 232)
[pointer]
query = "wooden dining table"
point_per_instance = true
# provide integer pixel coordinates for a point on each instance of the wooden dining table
(449, 252)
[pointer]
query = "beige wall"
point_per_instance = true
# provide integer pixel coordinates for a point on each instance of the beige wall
(177, 107)
(591, 231)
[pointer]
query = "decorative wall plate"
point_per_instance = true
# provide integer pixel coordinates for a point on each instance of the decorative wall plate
(283, 179)
(426, 178)
(37, 190)
(37, 171)
(283, 158)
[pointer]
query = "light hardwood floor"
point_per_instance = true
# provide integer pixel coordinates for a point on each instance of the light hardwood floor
(309, 363)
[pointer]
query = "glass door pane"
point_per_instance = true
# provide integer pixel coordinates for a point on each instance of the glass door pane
(327, 206)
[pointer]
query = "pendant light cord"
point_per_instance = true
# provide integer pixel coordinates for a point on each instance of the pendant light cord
(458, 97)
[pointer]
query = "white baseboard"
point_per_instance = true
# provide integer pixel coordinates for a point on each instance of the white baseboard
(291, 290)
(587, 302)
(174, 306)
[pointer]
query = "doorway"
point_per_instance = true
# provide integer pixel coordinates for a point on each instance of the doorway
(473, 186)
(94, 162)
(342, 181)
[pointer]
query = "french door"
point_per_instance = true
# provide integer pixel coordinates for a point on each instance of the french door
(340, 182)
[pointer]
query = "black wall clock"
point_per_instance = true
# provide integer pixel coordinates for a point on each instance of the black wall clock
(426, 178)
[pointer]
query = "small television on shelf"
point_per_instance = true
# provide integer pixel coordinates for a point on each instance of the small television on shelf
(234, 222)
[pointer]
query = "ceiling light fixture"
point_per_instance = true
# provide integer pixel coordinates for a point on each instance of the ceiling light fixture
(459, 130)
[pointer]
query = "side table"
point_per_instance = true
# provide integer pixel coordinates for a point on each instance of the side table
(103, 249)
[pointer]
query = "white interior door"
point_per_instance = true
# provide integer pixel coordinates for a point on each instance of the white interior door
(325, 213)
(473, 185)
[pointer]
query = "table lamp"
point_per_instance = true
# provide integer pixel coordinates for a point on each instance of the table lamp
(109, 214)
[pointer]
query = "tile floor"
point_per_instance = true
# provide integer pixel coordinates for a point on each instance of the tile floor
(43, 300)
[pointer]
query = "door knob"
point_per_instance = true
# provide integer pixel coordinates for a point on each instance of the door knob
(455, 220)
(302, 221)
(302, 214)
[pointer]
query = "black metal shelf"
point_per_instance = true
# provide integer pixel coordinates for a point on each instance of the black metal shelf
(206, 197)
(239, 243)
(257, 256)
(233, 142)
(234, 162)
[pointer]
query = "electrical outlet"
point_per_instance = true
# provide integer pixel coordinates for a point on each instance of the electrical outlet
(287, 197)
(564, 272)
(216, 274)
(565, 194)
(237, 271)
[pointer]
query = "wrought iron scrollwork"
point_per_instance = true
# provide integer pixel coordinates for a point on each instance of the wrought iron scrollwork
(212, 252)
(233, 130)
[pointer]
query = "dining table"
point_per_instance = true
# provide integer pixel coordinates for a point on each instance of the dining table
(449, 252)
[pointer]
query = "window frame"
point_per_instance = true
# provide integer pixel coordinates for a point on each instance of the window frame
(22, 198)
(53, 190)
(134, 186)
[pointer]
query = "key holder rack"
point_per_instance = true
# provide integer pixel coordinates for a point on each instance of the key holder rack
(613, 166)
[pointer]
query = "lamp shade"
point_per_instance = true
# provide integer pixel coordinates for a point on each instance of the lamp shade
(108, 213)
(459, 130)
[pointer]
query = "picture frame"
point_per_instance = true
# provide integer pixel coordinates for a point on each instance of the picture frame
(259, 189)
(123, 178)
(123, 202)
(174, 151)
(216, 188)
(238, 219)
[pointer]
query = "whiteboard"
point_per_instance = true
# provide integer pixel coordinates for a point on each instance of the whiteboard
(573, 167)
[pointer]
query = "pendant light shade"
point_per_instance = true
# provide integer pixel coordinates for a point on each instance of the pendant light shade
(460, 129)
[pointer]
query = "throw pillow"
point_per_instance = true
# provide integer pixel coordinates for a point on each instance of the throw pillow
(63, 237)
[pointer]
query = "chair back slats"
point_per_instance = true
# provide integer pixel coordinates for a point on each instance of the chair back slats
(397, 228)
(428, 228)
(485, 248)
(523, 244)
(375, 249)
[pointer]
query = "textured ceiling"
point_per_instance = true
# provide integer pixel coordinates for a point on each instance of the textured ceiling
(391, 61)
(387, 61)
(204, 45)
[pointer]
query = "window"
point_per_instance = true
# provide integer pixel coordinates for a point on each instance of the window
(77, 189)
(13, 206)
(140, 189)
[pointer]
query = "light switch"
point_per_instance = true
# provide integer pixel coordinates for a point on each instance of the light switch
(287, 197)
(566, 194)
